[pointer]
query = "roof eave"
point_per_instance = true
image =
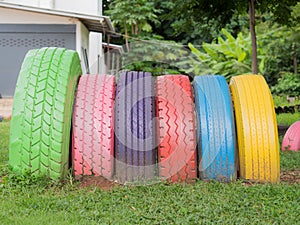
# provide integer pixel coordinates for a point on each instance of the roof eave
(93, 23)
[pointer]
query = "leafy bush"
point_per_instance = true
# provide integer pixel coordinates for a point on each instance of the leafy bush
(288, 84)
(228, 56)
(282, 100)
(157, 56)
(231, 56)
(280, 46)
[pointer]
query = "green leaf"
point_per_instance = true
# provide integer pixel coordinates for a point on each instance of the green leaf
(147, 27)
(171, 56)
(261, 66)
(228, 35)
(201, 56)
(210, 50)
(242, 56)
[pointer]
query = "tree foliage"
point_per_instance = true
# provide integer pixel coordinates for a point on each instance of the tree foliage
(201, 21)
(156, 56)
(277, 47)
(221, 12)
(288, 84)
(227, 56)
(231, 56)
(133, 15)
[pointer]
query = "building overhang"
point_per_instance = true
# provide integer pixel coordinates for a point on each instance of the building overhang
(101, 24)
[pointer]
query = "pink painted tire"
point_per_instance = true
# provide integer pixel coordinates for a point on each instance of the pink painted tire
(93, 128)
(291, 140)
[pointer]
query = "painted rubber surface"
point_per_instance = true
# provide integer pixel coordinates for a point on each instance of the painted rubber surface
(176, 128)
(93, 128)
(256, 129)
(216, 129)
(291, 140)
(135, 135)
(41, 121)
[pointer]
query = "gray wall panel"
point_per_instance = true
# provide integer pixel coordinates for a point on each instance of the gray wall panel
(14, 46)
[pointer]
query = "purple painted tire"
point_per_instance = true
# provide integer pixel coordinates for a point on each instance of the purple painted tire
(135, 136)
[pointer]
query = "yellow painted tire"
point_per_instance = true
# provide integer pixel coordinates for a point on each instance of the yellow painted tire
(256, 129)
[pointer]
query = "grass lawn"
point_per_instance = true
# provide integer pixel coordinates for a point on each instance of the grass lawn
(288, 118)
(26, 201)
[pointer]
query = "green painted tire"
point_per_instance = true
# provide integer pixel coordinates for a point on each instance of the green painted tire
(42, 112)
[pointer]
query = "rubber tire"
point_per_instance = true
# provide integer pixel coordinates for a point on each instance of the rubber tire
(256, 129)
(216, 129)
(93, 126)
(291, 139)
(42, 108)
(176, 128)
(135, 130)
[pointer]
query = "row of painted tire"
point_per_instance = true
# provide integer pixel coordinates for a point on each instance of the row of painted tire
(115, 134)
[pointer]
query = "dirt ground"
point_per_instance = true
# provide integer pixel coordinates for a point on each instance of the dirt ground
(6, 107)
(291, 177)
(101, 182)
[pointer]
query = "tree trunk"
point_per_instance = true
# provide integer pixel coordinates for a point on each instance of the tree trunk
(295, 58)
(253, 37)
(136, 28)
(126, 35)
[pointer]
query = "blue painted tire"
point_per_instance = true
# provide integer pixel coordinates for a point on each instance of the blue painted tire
(215, 129)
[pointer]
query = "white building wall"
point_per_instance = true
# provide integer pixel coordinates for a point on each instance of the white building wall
(89, 7)
(13, 16)
(46, 4)
(96, 54)
(23, 2)
(93, 42)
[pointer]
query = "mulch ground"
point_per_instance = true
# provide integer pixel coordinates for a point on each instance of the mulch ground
(290, 176)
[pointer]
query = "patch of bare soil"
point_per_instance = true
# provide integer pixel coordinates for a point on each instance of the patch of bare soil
(290, 176)
(96, 181)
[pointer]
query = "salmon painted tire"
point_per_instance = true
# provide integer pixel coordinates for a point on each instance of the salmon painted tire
(135, 128)
(291, 139)
(176, 128)
(216, 129)
(93, 126)
(256, 129)
(42, 112)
